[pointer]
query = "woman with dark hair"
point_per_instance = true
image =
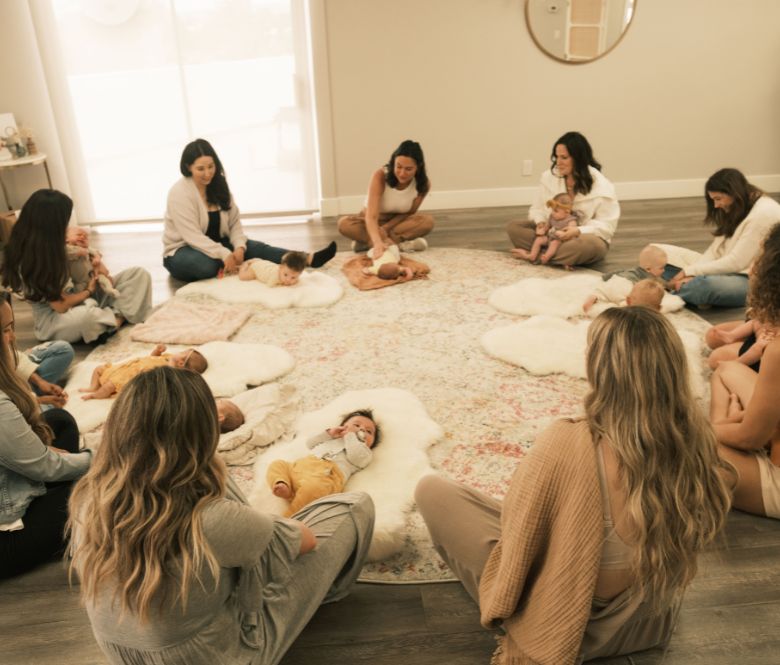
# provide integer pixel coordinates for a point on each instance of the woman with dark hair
(389, 215)
(574, 171)
(741, 215)
(175, 567)
(203, 232)
(36, 266)
(599, 534)
(38, 454)
(744, 407)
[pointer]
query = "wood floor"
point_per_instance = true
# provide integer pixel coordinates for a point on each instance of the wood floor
(729, 615)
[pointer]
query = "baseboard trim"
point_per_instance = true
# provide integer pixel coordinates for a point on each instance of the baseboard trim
(517, 196)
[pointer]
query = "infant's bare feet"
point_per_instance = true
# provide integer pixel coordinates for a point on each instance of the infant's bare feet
(282, 490)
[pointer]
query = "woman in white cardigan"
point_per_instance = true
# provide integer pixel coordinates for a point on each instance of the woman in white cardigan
(203, 232)
(742, 216)
(574, 171)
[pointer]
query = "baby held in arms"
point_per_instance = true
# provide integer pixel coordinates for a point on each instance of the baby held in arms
(84, 262)
(336, 454)
(108, 380)
(286, 273)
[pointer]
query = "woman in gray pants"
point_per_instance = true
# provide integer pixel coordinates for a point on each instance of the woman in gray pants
(36, 267)
(175, 566)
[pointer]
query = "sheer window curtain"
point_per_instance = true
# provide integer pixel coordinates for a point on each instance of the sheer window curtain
(132, 81)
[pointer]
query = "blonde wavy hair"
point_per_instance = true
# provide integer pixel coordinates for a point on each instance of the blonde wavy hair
(640, 402)
(17, 389)
(135, 517)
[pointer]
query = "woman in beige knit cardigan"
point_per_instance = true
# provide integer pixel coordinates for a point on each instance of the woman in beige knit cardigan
(599, 533)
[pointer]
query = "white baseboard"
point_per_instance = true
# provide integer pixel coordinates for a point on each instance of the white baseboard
(517, 196)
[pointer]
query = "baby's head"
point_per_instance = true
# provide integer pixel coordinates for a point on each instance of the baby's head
(363, 424)
(191, 359)
(229, 415)
(78, 236)
(560, 205)
(291, 267)
(653, 259)
(646, 293)
(389, 271)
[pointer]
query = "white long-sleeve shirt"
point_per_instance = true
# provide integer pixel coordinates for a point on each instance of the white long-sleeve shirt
(735, 254)
(187, 219)
(599, 209)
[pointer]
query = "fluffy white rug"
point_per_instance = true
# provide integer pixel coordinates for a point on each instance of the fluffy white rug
(315, 289)
(232, 367)
(400, 459)
(558, 297)
(550, 345)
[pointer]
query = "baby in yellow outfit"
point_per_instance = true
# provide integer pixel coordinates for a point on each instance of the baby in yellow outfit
(286, 273)
(108, 380)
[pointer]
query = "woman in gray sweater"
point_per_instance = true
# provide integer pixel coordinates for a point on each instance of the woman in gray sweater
(175, 567)
(38, 456)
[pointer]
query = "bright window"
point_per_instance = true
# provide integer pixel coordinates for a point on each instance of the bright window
(145, 77)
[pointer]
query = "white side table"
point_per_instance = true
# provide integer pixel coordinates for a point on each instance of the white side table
(30, 160)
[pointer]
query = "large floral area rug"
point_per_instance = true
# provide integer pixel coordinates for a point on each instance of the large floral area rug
(424, 337)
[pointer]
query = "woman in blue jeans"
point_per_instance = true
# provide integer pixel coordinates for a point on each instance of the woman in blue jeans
(742, 216)
(203, 232)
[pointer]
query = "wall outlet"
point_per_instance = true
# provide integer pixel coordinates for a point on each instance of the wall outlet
(528, 167)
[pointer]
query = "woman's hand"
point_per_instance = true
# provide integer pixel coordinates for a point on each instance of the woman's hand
(678, 280)
(54, 400)
(568, 233)
(231, 267)
(238, 255)
(308, 539)
(379, 248)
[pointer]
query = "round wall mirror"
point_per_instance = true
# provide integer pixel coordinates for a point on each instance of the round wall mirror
(578, 31)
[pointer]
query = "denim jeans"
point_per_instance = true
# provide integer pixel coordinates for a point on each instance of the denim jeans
(729, 290)
(53, 359)
(189, 265)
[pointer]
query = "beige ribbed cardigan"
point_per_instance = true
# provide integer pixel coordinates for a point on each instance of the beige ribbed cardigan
(539, 579)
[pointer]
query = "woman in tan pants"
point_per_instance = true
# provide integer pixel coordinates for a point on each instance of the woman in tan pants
(390, 216)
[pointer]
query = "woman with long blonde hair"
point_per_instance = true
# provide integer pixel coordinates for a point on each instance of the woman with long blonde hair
(599, 534)
(175, 567)
(38, 457)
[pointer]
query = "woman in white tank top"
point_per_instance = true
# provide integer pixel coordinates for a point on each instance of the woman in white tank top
(389, 215)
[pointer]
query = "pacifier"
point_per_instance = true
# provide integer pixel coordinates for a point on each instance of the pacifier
(361, 434)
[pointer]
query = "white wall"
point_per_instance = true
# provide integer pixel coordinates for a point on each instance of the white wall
(686, 92)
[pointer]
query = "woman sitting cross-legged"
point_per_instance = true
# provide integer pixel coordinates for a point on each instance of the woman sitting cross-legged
(742, 216)
(745, 409)
(36, 266)
(39, 456)
(575, 172)
(202, 233)
(389, 215)
(598, 536)
(175, 567)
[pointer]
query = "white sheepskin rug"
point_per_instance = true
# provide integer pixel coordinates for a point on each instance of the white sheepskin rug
(400, 459)
(314, 289)
(559, 297)
(550, 345)
(232, 367)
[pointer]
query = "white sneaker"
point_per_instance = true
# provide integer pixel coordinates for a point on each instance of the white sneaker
(358, 246)
(416, 245)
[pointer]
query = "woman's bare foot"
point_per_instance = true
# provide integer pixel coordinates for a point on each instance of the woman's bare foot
(523, 254)
(282, 490)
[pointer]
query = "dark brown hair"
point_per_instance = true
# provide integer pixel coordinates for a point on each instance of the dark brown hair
(764, 293)
(295, 261)
(732, 183)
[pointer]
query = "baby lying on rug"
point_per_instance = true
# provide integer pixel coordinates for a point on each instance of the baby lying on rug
(230, 417)
(286, 273)
(619, 284)
(336, 454)
(387, 266)
(108, 380)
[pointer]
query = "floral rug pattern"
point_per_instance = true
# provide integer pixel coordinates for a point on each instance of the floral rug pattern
(422, 336)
